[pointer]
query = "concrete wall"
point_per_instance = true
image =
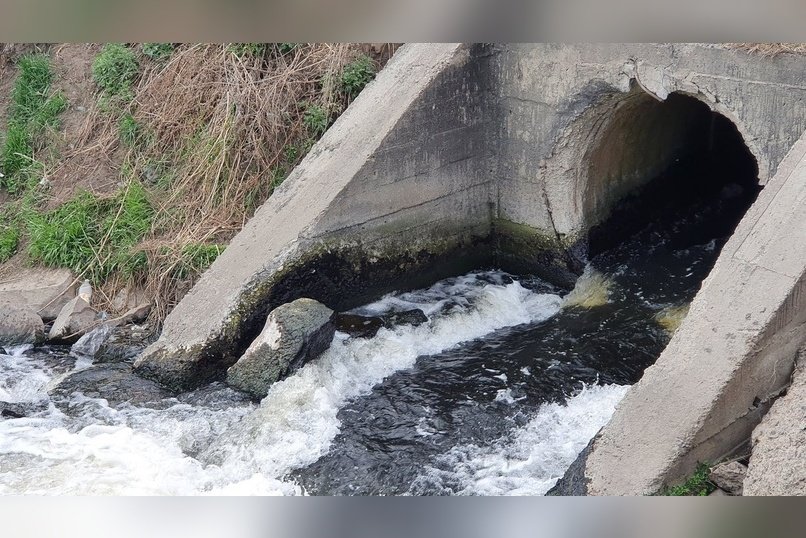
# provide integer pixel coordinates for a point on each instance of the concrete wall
(399, 184)
(463, 156)
(732, 355)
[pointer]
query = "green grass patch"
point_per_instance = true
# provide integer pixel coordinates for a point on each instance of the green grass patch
(196, 258)
(248, 50)
(316, 119)
(115, 70)
(697, 485)
(33, 108)
(356, 75)
(128, 130)
(9, 239)
(159, 52)
(93, 237)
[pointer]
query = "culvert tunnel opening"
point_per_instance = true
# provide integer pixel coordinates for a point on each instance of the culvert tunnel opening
(656, 158)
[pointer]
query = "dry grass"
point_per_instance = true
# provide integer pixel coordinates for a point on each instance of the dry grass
(769, 49)
(216, 132)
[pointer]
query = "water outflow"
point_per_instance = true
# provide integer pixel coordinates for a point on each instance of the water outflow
(495, 394)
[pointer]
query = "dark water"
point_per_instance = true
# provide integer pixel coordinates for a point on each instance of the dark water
(485, 394)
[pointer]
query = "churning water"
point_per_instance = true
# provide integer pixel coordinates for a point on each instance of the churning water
(495, 394)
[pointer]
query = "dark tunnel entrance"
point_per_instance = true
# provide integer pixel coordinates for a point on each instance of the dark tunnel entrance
(679, 152)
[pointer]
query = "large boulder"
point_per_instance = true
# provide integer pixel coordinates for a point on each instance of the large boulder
(124, 344)
(20, 325)
(75, 319)
(116, 383)
(45, 291)
(294, 333)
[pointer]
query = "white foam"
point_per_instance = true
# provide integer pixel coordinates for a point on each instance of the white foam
(297, 420)
(132, 450)
(533, 458)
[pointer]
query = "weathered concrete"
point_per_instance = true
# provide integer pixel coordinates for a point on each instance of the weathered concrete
(45, 291)
(731, 356)
(458, 157)
(778, 462)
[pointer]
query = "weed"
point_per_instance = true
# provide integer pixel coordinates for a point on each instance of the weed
(32, 109)
(316, 119)
(697, 485)
(285, 48)
(128, 129)
(196, 258)
(159, 52)
(247, 50)
(356, 75)
(93, 237)
(9, 238)
(114, 71)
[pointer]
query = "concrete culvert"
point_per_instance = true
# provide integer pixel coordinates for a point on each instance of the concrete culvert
(648, 156)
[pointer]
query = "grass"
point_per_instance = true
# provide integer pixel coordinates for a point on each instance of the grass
(128, 129)
(159, 52)
(356, 75)
(697, 485)
(9, 239)
(93, 237)
(201, 140)
(316, 119)
(114, 71)
(33, 109)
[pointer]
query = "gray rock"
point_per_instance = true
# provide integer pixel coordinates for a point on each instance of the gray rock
(368, 326)
(116, 383)
(20, 325)
(45, 291)
(74, 320)
(294, 333)
(89, 344)
(22, 409)
(718, 493)
(778, 459)
(729, 477)
(124, 344)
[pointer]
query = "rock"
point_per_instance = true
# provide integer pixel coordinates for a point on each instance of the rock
(3, 351)
(89, 344)
(75, 319)
(123, 345)
(45, 291)
(116, 383)
(413, 317)
(356, 325)
(717, 493)
(137, 314)
(729, 477)
(294, 333)
(368, 326)
(129, 299)
(22, 409)
(778, 459)
(20, 325)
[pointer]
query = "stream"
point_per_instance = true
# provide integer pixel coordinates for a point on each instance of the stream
(495, 394)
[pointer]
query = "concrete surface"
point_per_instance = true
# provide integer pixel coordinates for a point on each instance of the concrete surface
(778, 462)
(461, 156)
(731, 356)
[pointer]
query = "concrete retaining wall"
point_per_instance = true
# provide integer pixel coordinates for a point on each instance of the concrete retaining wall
(731, 356)
(464, 156)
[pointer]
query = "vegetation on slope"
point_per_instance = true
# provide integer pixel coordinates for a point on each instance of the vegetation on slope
(199, 137)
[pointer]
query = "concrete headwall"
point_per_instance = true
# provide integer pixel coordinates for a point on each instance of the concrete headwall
(462, 156)
(732, 355)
